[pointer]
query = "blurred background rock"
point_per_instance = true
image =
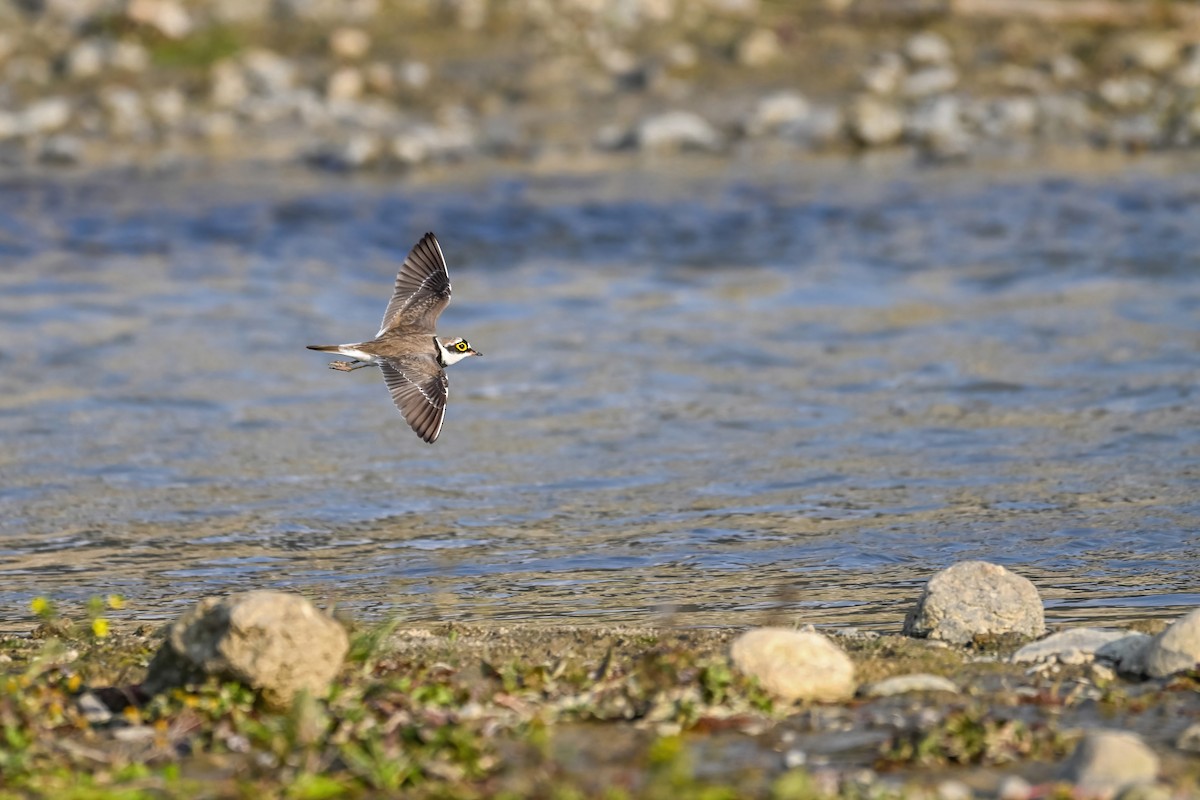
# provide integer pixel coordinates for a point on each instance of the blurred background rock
(394, 84)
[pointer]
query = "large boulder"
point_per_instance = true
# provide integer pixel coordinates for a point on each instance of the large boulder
(794, 665)
(976, 599)
(276, 643)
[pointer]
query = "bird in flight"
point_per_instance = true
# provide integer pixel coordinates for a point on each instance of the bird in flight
(407, 350)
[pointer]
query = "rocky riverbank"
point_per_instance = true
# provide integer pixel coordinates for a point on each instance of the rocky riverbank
(249, 694)
(371, 84)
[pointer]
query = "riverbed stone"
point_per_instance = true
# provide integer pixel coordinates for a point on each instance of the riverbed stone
(929, 81)
(1072, 646)
(775, 112)
(928, 48)
(794, 665)
(1176, 649)
(976, 598)
(875, 122)
(760, 48)
(677, 130)
(903, 684)
(884, 74)
(1105, 762)
(1189, 739)
(274, 642)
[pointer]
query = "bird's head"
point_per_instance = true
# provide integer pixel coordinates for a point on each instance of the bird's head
(455, 350)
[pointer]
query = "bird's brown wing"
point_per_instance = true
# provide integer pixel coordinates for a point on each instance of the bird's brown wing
(422, 289)
(419, 389)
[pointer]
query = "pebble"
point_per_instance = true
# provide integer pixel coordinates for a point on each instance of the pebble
(874, 121)
(776, 111)
(346, 83)
(1189, 739)
(675, 131)
(1014, 787)
(759, 49)
(884, 74)
(976, 598)
(793, 665)
(1108, 761)
(954, 790)
(167, 17)
(1127, 91)
(93, 709)
(929, 81)
(903, 684)
(1152, 52)
(928, 48)
(350, 44)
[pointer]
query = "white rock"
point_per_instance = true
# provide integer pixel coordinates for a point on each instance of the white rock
(1073, 646)
(875, 122)
(345, 83)
(677, 130)
(759, 49)
(350, 44)
(929, 81)
(975, 598)
(46, 115)
(1189, 739)
(1152, 51)
(954, 790)
(1175, 649)
(1127, 91)
(884, 74)
(169, 106)
(166, 16)
(227, 85)
(928, 48)
(268, 72)
(776, 111)
(1066, 68)
(415, 74)
(794, 665)
(1105, 762)
(1128, 653)
(1014, 787)
(903, 684)
(85, 59)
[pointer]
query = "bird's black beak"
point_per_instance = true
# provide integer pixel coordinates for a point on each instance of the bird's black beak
(476, 352)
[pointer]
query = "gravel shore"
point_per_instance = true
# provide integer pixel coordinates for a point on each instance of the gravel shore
(371, 84)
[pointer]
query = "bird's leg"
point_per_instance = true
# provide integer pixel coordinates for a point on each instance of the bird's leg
(346, 366)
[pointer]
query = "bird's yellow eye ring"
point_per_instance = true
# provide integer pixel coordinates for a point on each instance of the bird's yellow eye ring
(462, 347)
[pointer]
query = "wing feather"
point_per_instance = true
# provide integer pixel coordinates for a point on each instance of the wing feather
(419, 390)
(422, 289)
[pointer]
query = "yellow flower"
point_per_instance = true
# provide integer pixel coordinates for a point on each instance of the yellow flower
(74, 682)
(40, 606)
(116, 602)
(100, 627)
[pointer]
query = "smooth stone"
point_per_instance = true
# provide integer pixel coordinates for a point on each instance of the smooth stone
(45, 116)
(167, 17)
(794, 665)
(976, 598)
(1189, 739)
(875, 122)
(1152, 52)
(928, 48)
(903, 684)
(1127, 91)
(1176, 649)
(1014, 787)
(929, 81)
(884, 74)
(821, 127)
(277, 643)
(677, 130)
(775, 112)
(937, 124)
(954, 790)
(93, 709)
(759, 49)
(350, 44)
(1107, 761)
(1074, 646)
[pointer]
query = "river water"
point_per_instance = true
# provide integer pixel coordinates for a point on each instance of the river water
(715, 396)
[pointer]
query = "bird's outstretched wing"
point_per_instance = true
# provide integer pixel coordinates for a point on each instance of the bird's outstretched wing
(419, 389)
(422, 289)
